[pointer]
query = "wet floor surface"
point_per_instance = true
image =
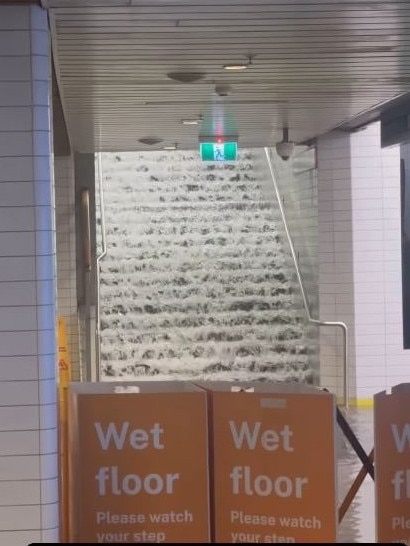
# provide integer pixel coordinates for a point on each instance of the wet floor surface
(358, 524)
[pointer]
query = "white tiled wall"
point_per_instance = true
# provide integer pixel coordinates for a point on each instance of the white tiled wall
(66, 256)
(28, 426)
(360, 258)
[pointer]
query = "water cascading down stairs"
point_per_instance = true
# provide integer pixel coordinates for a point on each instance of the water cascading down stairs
(196, 283)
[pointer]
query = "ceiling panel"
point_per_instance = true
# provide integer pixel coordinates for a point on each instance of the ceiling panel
(314, 64)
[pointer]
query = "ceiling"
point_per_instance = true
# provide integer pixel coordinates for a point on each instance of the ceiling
(314, 65)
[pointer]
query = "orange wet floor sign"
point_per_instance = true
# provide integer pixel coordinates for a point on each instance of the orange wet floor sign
(139, 465)
(392, 464)
(274, 465)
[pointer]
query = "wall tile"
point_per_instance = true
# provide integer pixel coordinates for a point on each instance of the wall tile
(41, 142)
(15, 41)
(19, 517)
(17, 343)
(19, 443)
(397, 372)
(47, 341)
(43, 193)
(46, 316)
(45, 243)
(16, 169)
(47, 366)
(15, 93)
(18, 368)
(14, 493)
(19, 393)
(48, 441)
(47, 391)
(42, 169)
(45, 268)
(15, 119)
(17, 143)
(48, 417)
(15, 69)
(38, 18)
(40, 62)
(17, 243)
(16, 219)
(49, 490)
(25, 467)
(19, 538)
(17, 269)
(370, 351)
(17, 294)
(49, 515)
(41, 118)
(19, 418)
(43, 219)
(50, 535)
(40, 44)
(374, 382)
(48, 467)
(14, 194)
(17, 319)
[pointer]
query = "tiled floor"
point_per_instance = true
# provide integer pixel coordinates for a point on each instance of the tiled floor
(359, 522)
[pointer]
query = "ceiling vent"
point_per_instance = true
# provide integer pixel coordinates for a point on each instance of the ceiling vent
(186, 77)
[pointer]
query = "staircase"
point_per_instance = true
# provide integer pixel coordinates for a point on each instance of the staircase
(197, 282)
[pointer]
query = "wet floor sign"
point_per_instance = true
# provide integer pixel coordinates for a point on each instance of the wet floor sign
(139, 460)
(392, 464)
(273, 460)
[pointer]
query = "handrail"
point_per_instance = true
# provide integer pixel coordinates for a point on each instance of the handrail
(99, 258)
(312, 320)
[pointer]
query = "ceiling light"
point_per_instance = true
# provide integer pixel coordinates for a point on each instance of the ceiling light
(186, 77)
(150, 141)
(191, 121)
(170, 148)
(239, 66)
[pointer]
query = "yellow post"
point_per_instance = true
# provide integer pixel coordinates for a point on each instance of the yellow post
(64, 369)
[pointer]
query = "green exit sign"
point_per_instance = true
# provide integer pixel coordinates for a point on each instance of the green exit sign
(214, 151)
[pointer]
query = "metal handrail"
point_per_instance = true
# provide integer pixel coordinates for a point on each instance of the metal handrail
(312, 320)
(98, 273)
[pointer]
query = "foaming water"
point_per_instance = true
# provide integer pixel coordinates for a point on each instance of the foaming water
(196, 283)
(358, 524)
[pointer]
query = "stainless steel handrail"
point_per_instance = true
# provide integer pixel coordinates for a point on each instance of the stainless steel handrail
(98, 272)
(312, 320)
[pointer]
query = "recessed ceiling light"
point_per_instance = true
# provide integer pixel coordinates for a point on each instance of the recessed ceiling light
(191, 121)
(170, 147)
(186, 77)
(150, 141)
(237, 66)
